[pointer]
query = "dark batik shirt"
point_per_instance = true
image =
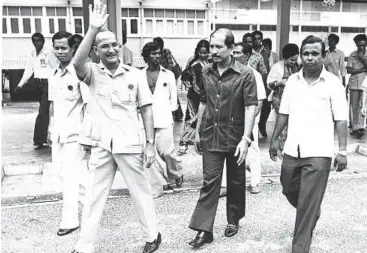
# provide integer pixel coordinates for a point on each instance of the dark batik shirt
(226, 97)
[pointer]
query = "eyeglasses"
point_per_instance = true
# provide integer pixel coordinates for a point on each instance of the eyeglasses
(107, 46)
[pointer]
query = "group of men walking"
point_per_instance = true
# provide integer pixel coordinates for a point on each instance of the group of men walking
(98, 105)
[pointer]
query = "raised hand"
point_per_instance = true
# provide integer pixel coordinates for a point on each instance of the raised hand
(97, 16)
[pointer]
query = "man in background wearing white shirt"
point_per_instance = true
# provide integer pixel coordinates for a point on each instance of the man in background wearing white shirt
(39, 64)
(313, 103)
(162, 84)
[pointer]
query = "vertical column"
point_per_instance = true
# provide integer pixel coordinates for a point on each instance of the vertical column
(86, 4)
(114, 19)
(283, 24)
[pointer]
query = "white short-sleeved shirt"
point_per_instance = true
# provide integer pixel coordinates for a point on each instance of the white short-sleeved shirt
(261, 93)
(112, 109)
(164, 97)
(312, 110)
(64, 92)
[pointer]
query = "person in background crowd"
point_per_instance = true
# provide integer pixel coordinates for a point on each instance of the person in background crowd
(277, 79)
(67, 109)
(273, 57)
(225, 120)
(162, 84)
(116, 93)
(334, 60)
(357, 68)
(39, 64)
(364, 98)
(127, 55)
(75, 40)
(253, 161)
(191, 79)
(168, 61)
(313, 103)
(257, 37)
(254, 59)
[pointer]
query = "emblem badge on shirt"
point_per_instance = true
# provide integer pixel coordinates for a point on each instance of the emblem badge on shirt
(70, 87)
(165, 85)
(131, 86)
(43, 63)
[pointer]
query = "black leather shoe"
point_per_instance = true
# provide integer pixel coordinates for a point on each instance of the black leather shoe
(231, 230)
(74, 251)
(179, 181)
(65, 231)
(153, 246)
(201, 239)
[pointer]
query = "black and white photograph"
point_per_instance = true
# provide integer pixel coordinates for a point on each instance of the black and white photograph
(168, 126)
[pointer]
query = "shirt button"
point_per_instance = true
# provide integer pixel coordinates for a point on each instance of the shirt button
(216, 124)
(218, 96)
(216, 110)
(219, 81)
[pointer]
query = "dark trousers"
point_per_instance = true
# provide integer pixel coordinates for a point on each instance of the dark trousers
(43, 117)
(304, 183)
(206, 208)
(264, 115)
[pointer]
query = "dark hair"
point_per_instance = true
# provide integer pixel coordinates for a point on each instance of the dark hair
(159, 41)
(201, 43)
(148, 48)
(246, 48)
(245, 36)
(333, 36)
(257, 32)
(38, 35)
(359, 38)
(290, 50)
(268, 42)
(71, 40)
(61, 35)
(313, 39)
(229, 40)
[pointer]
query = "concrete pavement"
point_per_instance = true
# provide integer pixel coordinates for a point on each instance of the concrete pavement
(267, 227)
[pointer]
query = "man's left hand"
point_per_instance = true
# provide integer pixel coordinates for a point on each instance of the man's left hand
(241, 152)
(340, 162)
(149, 155)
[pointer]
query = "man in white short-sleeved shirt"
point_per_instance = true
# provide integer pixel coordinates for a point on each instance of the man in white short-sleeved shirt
(162, 84)
(313, 103)
(67, 110)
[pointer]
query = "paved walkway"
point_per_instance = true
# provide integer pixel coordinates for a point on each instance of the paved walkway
(267, 227)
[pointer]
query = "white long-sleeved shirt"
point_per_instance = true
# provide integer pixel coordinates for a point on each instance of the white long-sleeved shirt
(164, 97)
(40, 65)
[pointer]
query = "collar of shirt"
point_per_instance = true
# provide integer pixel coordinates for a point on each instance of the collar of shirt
(121, 69)
(233, 66)
(323, 76)
(42, 52)
(69, 68)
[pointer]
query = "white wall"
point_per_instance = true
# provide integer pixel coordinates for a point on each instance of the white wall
(20, 47)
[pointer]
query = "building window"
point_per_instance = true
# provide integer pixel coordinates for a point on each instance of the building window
(22, 20)
(130, 20)
(353, 30)
(5, 27)
(315, 28)
(78, 19)
(268, 27)
(172, 22)
(57, 18)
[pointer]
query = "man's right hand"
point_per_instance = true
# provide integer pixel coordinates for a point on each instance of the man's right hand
(197, 144)
(273, 150)
(17, 89)
(97, 16)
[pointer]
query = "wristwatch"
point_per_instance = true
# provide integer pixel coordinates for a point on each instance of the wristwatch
(342, 153)
(150, 141)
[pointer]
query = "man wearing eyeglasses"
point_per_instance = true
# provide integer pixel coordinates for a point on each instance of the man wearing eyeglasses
(116, 93)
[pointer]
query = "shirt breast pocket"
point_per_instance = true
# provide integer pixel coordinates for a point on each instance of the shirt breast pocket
(72, 91)
(127, 93)
(321, 103)
(102, 89)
